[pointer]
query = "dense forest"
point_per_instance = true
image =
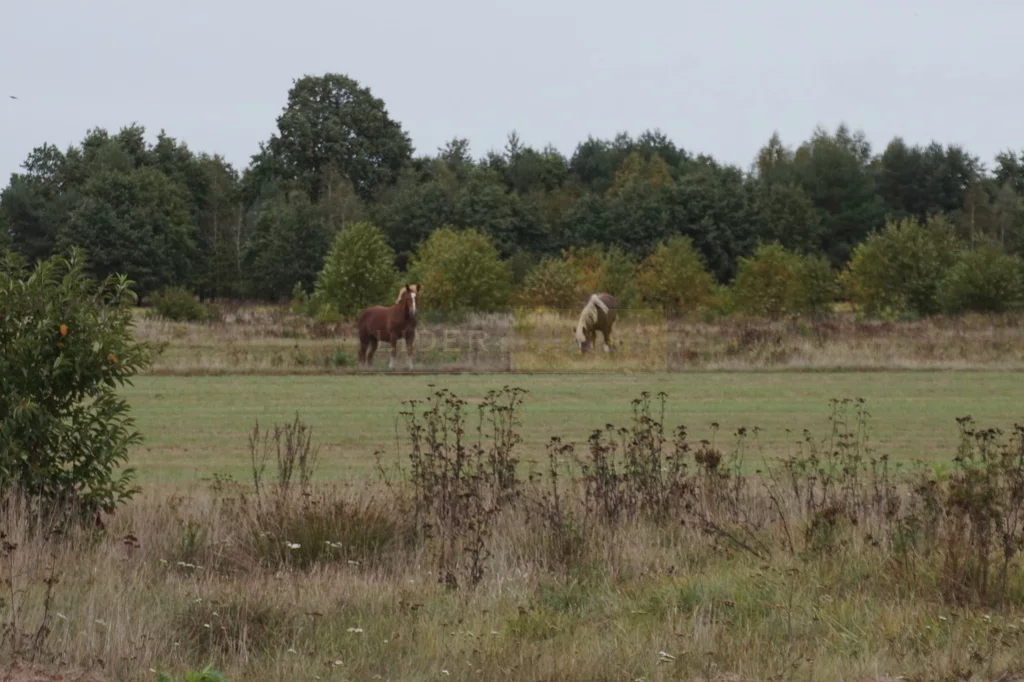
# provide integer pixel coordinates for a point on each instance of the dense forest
(167, 215)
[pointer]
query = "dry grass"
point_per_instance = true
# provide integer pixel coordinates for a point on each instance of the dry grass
(668, 565)
(268, 340)
(123, 608)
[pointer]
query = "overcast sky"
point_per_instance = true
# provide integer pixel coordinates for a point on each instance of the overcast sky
(717, 76)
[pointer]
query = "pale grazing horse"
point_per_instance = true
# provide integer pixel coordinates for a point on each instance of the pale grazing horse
(598, 315)
(389, 323)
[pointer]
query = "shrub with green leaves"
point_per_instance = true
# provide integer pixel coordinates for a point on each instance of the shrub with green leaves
(775, 281)
(65, 347)
(821, 284)
(180, 305)
(359, 271)
(899, 269)
(675, 278)
(553, 283)
(604, 270)
(985, 279)
(460, 270)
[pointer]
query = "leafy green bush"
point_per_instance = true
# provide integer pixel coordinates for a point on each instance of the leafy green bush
(899, 269)
(604, 270)
(565, 283)
(821, 285)
(984, 279)
(359, 272)
(675, 278)
(460, 270)
(299, 304)
(776, 281)
(552, 284)
(65, 347)
(180, 305)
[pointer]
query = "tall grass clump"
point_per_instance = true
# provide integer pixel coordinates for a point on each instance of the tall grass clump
(460, 486)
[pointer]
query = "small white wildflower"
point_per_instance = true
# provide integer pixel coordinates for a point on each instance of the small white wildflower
(339, 663)
(943, 618)
(356, 630)
(153, 670)
(353, 563)
(293, 545)
(665, 657)
(292, 651)
(206, 625)
(495, 632)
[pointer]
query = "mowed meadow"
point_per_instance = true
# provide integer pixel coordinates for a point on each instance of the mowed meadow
(825, 514)
(198, 427)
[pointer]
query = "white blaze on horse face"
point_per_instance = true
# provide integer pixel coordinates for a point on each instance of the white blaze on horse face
(413, 294)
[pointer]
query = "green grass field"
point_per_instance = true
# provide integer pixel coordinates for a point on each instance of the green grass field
(197, 426)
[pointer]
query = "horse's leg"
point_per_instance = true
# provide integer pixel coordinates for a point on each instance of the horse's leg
(371, 348)
(609, 345)
(410, 336)
(394, 351)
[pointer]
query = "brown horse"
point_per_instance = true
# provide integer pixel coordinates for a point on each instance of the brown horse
(389, 323)
(598, 316)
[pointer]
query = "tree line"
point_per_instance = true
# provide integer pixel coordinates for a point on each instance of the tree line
(166, 215)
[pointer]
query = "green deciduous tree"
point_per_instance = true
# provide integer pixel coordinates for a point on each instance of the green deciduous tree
(409, 212)
(287, 244)
(834, 170)
(134, 222)
(460, 270)
(36, 202)
(65, 349)
(899, 269)
(775, 282)
(607, 270)
(784, 213)
(333, 124)
(674, 278)
(359, 271)
(552, 283)
(983, 279)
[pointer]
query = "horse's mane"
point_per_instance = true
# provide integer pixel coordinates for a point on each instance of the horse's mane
(414, 288)
(589, 315)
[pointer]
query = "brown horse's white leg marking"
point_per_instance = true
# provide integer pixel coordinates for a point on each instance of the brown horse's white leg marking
(410, 336)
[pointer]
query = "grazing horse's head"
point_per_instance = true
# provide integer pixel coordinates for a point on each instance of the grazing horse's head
(582, 342)
(407, 297)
